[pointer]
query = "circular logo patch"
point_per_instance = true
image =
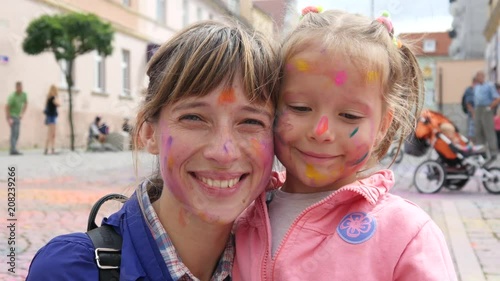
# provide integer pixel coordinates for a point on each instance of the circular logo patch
(357, 227)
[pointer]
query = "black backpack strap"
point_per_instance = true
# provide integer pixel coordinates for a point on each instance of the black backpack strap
(107, 243)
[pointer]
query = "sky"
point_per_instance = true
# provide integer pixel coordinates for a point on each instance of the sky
(406, 15)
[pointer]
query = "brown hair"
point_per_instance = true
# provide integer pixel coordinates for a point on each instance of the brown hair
(52, 92)
(202, 57)
(370, 47)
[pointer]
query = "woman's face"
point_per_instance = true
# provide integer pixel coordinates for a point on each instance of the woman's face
(215, 152)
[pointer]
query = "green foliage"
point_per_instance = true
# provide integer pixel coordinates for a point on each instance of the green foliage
(68, 35)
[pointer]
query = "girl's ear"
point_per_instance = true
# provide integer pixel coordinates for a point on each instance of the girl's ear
(148, 138)
(385, 124)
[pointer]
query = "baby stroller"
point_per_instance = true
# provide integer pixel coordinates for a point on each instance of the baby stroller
(457, 160)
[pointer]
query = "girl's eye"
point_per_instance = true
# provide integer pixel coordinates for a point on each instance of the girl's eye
(254, 122)
(300, 108)
(350, 116)
(190, 117)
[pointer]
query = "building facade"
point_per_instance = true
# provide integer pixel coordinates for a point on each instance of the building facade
(469, 20)
(110, 87)
(492, 36)
(429, 49)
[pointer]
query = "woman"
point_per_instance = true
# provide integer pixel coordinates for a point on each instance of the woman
(50, 118)
(208, 116)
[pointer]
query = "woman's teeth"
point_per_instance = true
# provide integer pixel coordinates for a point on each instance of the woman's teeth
(220, 183)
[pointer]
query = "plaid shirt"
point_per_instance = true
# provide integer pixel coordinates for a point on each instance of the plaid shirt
(178, 271)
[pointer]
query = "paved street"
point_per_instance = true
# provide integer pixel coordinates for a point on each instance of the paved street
(55, 193)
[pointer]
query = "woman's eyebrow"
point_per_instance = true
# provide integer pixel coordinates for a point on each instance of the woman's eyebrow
(254, 109)
(189, 105)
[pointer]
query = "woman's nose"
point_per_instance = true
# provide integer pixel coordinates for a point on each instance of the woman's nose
(222, 148)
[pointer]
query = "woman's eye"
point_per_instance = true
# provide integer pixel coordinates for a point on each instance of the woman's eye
(254, 122)
(190, 117)
(350, 116)
(300, 108)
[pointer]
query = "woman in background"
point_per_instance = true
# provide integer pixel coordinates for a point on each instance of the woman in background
(50, 118)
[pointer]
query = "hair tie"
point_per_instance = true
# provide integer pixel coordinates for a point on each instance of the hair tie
(311, 9)
(386, 21)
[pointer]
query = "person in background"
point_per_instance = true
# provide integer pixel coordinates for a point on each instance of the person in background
(51, 105)
(469, 103)
(486, 98)
(14, 111)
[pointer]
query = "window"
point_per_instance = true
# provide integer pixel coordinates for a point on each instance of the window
(185, 12)
(161, 9)
(429, 46)
(126, 72)
(126, 3)
(100, 74)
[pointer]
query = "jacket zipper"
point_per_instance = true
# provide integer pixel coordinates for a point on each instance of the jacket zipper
(267, 229)
(299, 217)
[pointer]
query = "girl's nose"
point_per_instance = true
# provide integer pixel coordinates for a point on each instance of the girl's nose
(322, 132)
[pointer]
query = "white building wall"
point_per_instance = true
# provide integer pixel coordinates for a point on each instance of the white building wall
(469, 21)
(38, 72)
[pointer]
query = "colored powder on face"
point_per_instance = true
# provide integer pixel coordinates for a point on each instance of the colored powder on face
(360, 160)
(225, 148)
(301, 65)
(169, 142)
(170, 163)
(340, 78)
(227, 96)
(313, 174)
(322, 126)
(257, 147)
(354, 132)
(371, 76)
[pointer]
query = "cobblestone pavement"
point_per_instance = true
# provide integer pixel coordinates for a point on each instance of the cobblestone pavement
(55, 193)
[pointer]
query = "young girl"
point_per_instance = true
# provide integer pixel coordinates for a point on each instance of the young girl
(50, 119)
(349, 87)
(208, 115)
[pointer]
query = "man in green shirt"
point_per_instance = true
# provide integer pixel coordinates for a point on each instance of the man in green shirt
(14, 110)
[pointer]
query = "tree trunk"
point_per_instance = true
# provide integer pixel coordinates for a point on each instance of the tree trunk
(69, 82)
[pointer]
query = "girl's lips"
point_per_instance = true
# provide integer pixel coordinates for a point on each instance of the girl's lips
(316, 158)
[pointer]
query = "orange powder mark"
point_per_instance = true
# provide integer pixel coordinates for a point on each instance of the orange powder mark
(313, 174)
(301, 65)
(227, 96)
(257, 147)
(371, 76)
(170, 163)
(322, 126)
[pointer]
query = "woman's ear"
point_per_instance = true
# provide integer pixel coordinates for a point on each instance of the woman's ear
(148, 138)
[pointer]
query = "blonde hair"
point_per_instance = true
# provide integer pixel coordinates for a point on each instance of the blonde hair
(370, 47)
(52, 92)
(201, 58)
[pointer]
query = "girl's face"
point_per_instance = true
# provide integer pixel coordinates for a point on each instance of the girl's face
(215, 152)
(330, 120)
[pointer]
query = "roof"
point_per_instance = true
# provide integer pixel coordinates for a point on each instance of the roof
(429, 43)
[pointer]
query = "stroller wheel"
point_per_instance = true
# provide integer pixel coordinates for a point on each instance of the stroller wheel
(429, 177)
(492, 183)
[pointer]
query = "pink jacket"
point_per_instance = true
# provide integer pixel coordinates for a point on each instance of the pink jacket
(360, 232)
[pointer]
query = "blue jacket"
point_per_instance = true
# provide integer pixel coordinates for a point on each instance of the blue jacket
(71, 256)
